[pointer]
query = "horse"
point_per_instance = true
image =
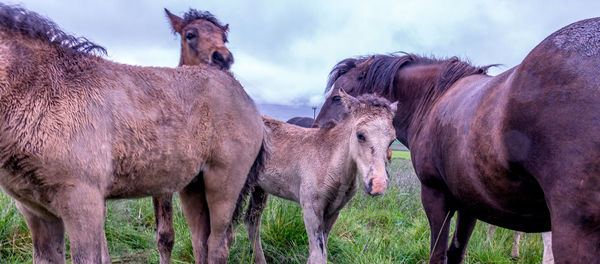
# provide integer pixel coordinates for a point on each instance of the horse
(317, 168)
(203, 39)
(519, 150)
(76, 130)
(547, 257)
(301, 121)
(308, 122)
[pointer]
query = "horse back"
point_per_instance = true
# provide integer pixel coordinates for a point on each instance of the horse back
(555, 104)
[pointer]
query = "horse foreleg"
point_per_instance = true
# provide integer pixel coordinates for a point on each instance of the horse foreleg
(329, 221)
(82, 211)
(464, 227)
(165, 232)
(47, 235)
(258, 201)
(547, 258)
(515, 249)
(435, 203)
(105, 255)
(195, 210)
(313, 221)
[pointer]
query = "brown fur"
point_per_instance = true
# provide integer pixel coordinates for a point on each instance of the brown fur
(203, 39)
(519, 150)
(317, 167)
(76, 129)
(193, 52)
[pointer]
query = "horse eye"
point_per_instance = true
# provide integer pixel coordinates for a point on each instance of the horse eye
(360, 137)
(190, 36)
(336, 99)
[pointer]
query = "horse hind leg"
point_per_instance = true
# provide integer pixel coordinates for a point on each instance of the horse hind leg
(195, 210)
(258, 201)
(47, 235)
(224, 185)
(165, 232)
(547, 258)
(490, 234)
(515, 249)
(464, 228)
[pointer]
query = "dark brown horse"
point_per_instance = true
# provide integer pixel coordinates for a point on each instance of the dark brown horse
(519, 150)
(76, 129)
(203, 40)
(301, 121)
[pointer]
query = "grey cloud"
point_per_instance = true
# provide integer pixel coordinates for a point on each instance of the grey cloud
(285, 49)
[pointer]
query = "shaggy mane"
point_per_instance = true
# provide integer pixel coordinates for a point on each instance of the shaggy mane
(382, 71)
(34, 25)
(194, 14)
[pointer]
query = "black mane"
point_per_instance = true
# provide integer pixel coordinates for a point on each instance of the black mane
(194, 14)
(32, 24)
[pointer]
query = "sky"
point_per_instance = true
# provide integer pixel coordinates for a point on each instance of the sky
(284, 49)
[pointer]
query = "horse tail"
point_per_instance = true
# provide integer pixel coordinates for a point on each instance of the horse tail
(256, 169)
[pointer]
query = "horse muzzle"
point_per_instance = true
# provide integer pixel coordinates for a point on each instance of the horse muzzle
(377, 185)
(222, 58)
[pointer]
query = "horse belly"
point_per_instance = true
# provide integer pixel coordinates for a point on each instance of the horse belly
(509, 200)
(157, 172)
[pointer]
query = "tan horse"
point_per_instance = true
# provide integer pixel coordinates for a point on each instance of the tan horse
(76, 129)
(203, 40)
(317, 167)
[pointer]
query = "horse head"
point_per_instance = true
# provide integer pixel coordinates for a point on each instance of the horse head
(203, 39)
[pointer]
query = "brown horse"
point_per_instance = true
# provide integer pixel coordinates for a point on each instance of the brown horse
(520, 150)
(317, 168)
(203, 40)
(301, 121)
(76, 129)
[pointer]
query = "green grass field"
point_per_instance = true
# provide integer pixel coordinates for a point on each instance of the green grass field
(391, 228)
(398, 154)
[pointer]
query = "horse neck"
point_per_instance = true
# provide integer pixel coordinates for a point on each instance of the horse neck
(344, 131)
(416, 92)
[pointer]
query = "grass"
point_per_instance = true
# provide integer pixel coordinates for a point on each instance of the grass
(400, 154)
(391, 228)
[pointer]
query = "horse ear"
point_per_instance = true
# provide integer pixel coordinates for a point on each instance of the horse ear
(226, 28)
(348, 100)
(365, 65)
(394, 107)
(176, 22)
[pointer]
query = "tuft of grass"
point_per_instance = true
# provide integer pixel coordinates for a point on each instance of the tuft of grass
(391, 228)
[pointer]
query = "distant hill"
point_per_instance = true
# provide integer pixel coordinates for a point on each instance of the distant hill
(285, 112)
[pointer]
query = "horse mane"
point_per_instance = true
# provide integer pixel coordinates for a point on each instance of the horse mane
(194, 14)
(379, 78)
(29, 23)
(372, 103)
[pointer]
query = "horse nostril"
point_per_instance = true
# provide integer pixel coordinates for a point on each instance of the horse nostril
(370, 187)
(223, 61)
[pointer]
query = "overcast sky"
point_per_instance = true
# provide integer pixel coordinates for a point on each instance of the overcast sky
(284, 50)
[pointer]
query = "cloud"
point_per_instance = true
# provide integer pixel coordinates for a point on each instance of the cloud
(284, 50)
